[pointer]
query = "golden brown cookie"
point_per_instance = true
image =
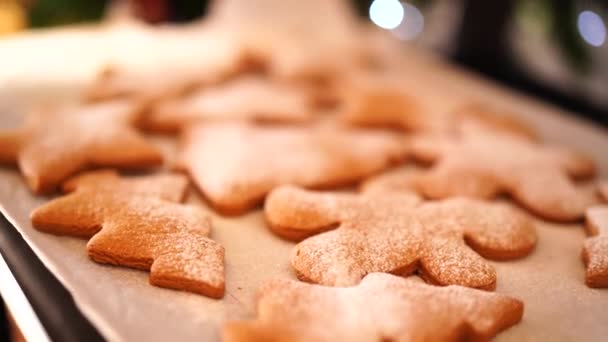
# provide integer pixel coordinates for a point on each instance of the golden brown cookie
(250, 98)
(376, 100)
(382, 101)
(401, 179)
(55, 144)
(114, 82)
(235, 164)
(603, 188)
(148, 83)
(595, 249)
(396, 233)
(382, 308)
(169, 187)
(484, 117)
(137, 222)
(486, 164)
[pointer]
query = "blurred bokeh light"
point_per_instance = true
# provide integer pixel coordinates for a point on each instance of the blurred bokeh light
(387, 14)
(592, 28)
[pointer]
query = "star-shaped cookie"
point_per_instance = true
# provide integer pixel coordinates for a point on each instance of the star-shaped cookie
(56, 143)
(250, 98)
(235, 164)
(382, 308)
(138, 222)
(357, 234)
(484, 164)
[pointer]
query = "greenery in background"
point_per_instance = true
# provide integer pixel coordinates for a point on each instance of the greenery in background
(60, 12)
(558, 20)
(44, 13)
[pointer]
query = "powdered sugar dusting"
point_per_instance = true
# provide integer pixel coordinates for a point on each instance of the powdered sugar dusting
(395, 233)
(249, 161)
(595, 250)
(382, 307)
(57, 144)
(141, 225)
(245, 98)
(487, 163)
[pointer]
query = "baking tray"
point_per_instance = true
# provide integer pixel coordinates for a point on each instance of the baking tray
(122, 305)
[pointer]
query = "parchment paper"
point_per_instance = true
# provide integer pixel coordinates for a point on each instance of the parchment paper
(124, 307)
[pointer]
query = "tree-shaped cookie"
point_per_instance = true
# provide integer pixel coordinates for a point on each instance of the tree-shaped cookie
(382, 308)
(595, 248)
(57, 143)
(485, 164)
(396, 233)
(236, 165)
(138, 222)
(246, 98)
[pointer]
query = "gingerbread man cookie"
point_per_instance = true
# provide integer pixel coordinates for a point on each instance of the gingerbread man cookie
(396, 233)
(382, 308)
(137, 222)
(595, 249)
(55, 144)
(235, 164)
(246, 98)
(485, 164)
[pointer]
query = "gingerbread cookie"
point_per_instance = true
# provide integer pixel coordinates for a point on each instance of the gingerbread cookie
(235, 164)
(55, 144)
(114, 82)
(396, 233)
(402, 179)
(485, 164)
(480, 116)
(246, 98)
(382, 308)
(595, 249)
(150, 82)
(169, 187)
(137, 222)
(387, 102)
(376, 100)
(603, 188)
